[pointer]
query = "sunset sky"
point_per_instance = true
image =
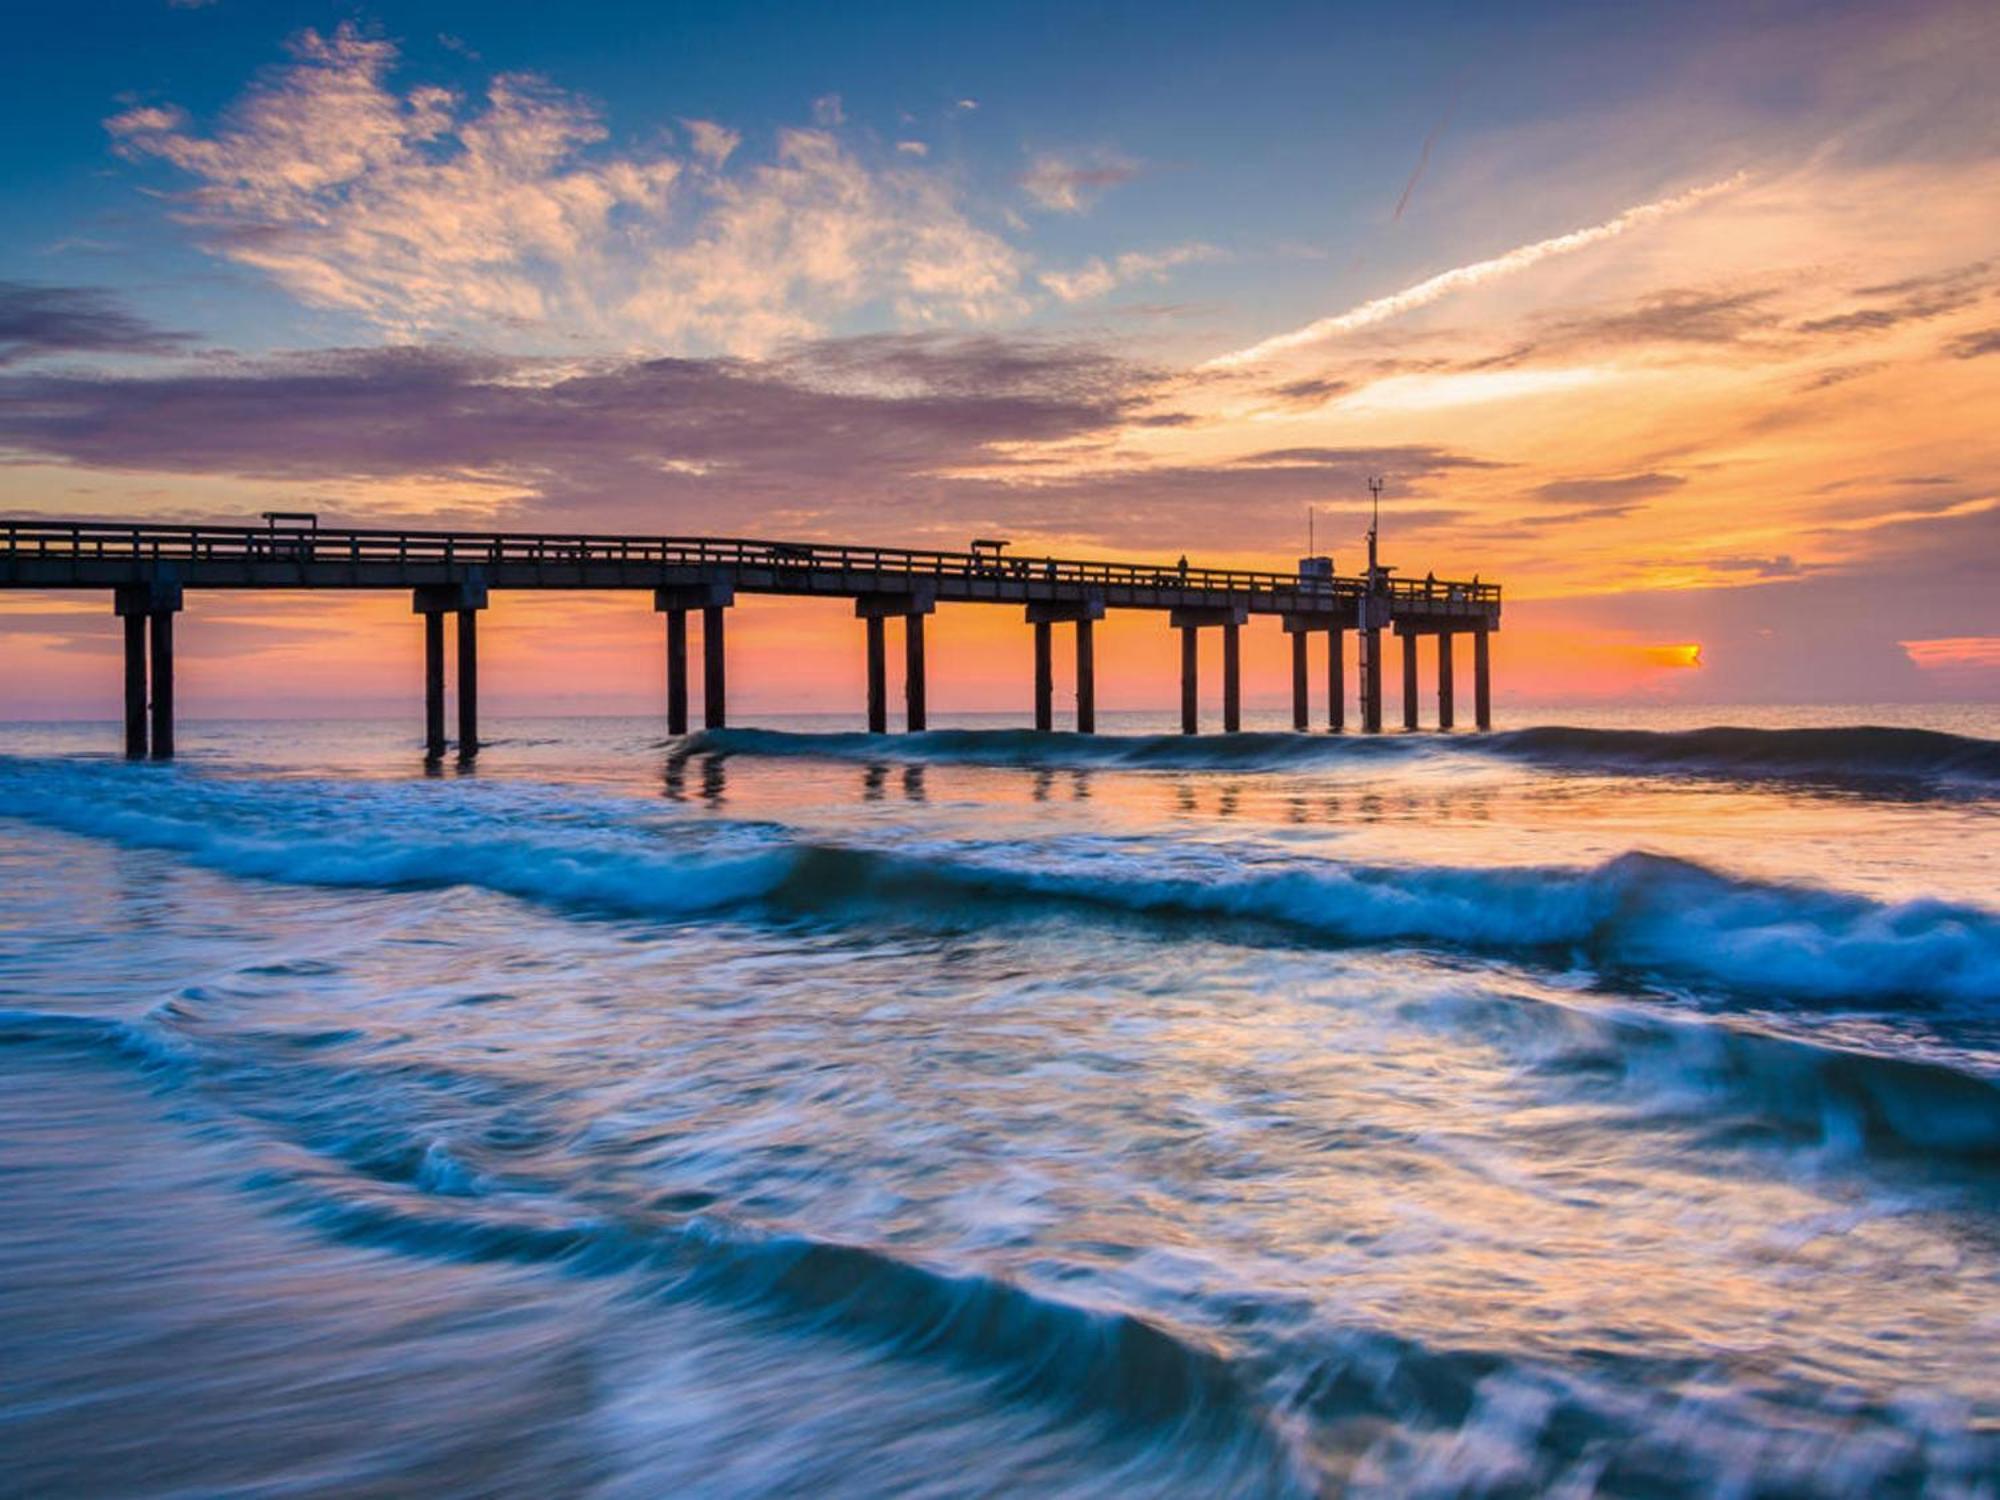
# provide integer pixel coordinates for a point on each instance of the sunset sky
(1681, 321)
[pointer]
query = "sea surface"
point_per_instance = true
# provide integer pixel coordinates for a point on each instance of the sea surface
(1610, 1107)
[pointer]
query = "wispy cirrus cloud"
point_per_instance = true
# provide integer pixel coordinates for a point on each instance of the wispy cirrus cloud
(1098, 276)
(424, 212)
(1975, 345)
(1679, 315)
(1910, 300)
(1433, 288)
(1065, 183)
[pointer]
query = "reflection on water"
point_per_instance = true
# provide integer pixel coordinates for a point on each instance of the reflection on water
(837, 1116)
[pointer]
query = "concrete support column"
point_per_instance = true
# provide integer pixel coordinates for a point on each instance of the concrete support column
(1044, 615)
(1445, 716)
(878, 672)
(675, 601)
(135, 687)
(1301, 706)
(163, 683)
(1190, 620)
(434, 684)
(714, 687)
(148, 608)
(1336, 680)
(468, 684)
(915, 711)
(1482, 680)
(1086, 677)
(1045, 689)
(1232, 679)
(1409, 682)
(1190, 680)
(464, 597)
(677, 671)
(1369, 644)
(875, 610)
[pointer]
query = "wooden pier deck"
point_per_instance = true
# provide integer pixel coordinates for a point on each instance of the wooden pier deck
(148, 567)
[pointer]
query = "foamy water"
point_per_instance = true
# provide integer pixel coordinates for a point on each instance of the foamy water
(1612, 1108)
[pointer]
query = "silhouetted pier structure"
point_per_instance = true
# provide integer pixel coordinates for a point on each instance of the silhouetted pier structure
(149, 567)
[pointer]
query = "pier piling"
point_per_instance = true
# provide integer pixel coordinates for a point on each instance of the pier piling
(1190, 680)
(148, 609)
(434, 684)
(878, 673)
(1336, 680)
(677, 671)
(468, 685)
(1445, 707)
(1190, 620)
(1409, 681)
(464, 597)
(1045, 687)
(163, 683)
(1086, 676)
(135, 687)
(1301, 706)
(1044, 615)
(1482, 680)
(714, 683)
(876, 610)
(1369, 640)
(915, 709)
(676, 601)
(1232, 678)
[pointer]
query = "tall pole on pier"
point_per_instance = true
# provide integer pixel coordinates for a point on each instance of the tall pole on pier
(1374, 522)
(1368, 639)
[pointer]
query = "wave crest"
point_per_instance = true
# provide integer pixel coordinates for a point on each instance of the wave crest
(1857, 754)
(1638, 914)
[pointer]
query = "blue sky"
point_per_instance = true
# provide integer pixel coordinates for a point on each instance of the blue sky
(1283, 136)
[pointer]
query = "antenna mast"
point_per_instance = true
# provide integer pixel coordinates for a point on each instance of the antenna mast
(1375, 524)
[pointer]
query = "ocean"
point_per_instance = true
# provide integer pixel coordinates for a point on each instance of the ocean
(1608, 1107)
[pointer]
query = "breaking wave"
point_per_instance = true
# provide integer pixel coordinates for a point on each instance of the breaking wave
(1636, 915)
(1855, 754)
(1849, 751)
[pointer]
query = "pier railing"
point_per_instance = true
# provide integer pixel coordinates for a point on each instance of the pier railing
(164, 542)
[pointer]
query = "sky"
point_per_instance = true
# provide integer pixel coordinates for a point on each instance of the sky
(1680, 321)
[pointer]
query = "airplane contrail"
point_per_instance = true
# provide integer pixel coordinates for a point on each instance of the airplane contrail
(1424, 158)
(1445, 282)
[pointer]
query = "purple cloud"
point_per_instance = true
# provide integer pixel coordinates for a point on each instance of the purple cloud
(1622, 490)
(42, 320)
(915, 434)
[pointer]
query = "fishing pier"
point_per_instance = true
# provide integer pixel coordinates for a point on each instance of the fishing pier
(148, 568)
